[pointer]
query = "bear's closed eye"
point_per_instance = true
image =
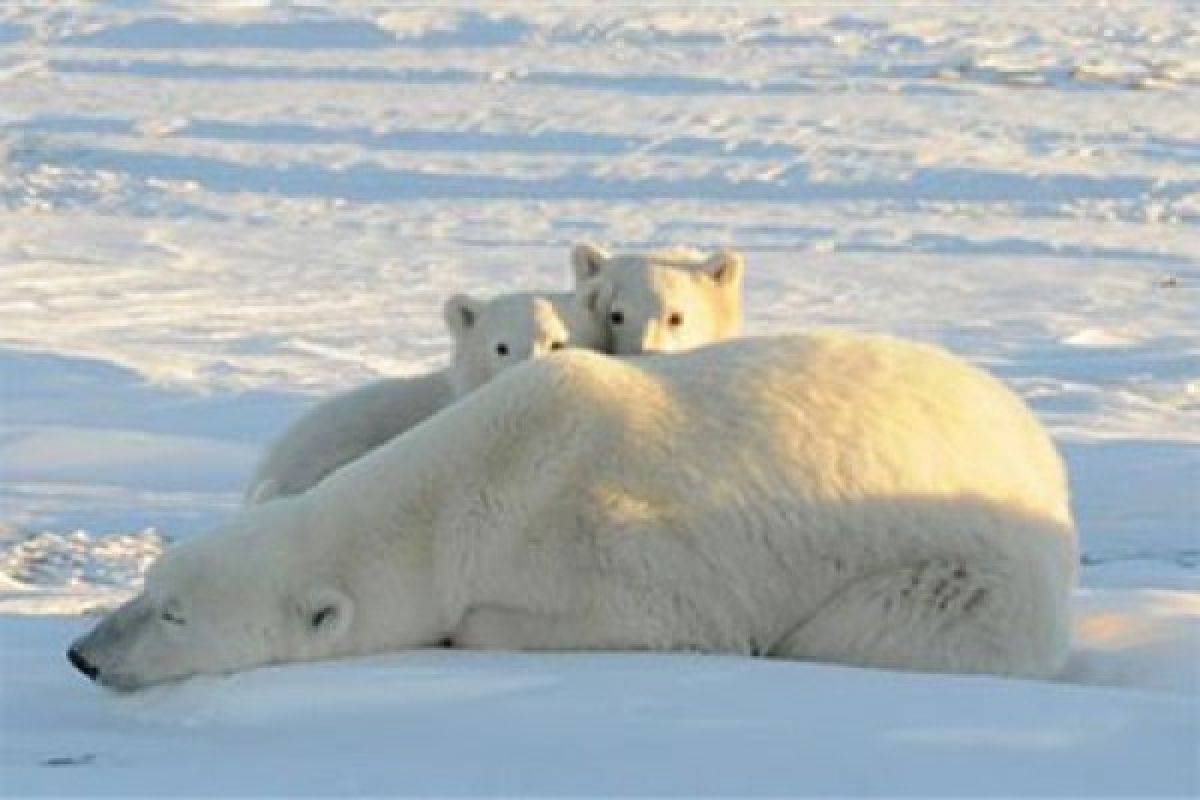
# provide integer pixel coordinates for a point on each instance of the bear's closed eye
(321, 616)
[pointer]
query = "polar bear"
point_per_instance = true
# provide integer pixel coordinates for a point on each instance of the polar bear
(665, 301)
(489, 336)
(833, 496)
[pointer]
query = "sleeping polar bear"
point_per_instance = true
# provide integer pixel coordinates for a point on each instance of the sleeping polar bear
(830, 496)
(489, 337)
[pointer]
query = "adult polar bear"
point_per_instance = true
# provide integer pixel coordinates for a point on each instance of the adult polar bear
(829, 496)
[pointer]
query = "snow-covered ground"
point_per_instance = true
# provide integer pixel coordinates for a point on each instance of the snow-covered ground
(216, 211)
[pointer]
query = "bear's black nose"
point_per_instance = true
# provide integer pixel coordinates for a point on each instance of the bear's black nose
(82, 664)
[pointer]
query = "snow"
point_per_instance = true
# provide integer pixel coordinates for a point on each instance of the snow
(215, 213)
(462, 723)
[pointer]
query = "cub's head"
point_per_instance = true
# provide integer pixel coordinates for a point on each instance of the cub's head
(244, 597)
(492, 335)
(660, 302)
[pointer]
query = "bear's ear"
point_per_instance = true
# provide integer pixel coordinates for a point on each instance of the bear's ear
(594, 296)
(461, 313)
(587, 261)
(326, 612)
(725, 267)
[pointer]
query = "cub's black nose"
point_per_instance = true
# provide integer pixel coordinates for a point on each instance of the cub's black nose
(82, 664)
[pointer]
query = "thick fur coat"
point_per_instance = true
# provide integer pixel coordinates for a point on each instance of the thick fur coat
(831, 496)
(660, 302)
(489, 337)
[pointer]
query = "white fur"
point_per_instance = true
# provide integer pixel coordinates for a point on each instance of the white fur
(527, 325)
(830, 496)
(661, 302)
(339, 430)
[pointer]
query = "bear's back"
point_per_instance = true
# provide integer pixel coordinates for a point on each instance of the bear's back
(828, 413)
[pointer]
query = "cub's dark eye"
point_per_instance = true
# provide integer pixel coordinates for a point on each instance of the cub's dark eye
(616, 317)
(675, 319)
(322, 616)
(502, 349)
(557, 345)
(173, 617)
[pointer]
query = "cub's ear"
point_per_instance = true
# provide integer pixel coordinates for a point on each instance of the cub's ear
(725, 267)
(461, 312)
(587, 261)
(594, 296)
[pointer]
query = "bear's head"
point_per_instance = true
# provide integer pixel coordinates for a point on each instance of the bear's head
(660, 302)
(492, 335)
(261, 591)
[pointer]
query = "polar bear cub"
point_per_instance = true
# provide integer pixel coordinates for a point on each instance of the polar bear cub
(489, 337)
(666, 301)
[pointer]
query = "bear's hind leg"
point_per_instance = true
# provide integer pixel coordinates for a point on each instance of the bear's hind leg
(941, 615)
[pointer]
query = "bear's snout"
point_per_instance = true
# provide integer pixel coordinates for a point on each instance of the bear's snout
(80, 662)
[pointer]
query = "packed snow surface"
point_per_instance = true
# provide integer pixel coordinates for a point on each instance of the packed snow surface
(214, 213)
